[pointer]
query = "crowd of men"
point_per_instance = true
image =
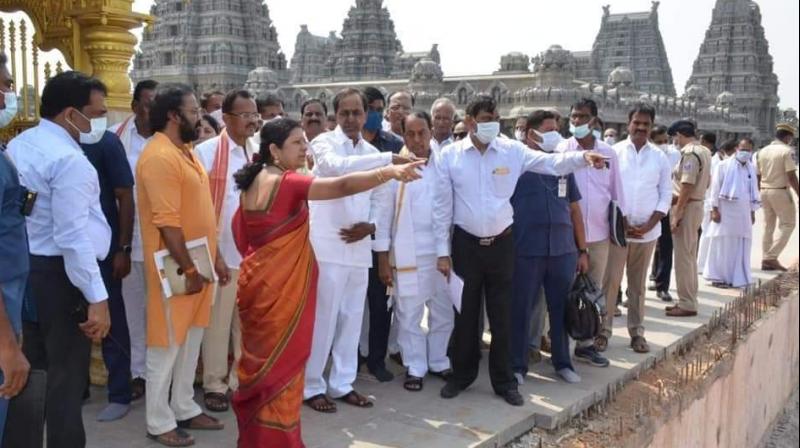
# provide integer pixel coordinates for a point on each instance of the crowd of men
(84, 208)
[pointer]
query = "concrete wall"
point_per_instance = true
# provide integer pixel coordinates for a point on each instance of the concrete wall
(738, 408)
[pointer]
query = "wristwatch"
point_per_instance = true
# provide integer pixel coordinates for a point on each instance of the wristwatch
(583, 251)
(127, 249)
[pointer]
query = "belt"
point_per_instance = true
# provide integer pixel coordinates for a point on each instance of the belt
(696, 200)
(768, 188)
(487, 241)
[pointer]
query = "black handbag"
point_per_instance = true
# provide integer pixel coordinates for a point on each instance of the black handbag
(584, 309)
(616, 224)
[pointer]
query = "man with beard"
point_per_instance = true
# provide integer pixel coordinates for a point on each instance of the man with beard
(222, 156)
(175, 206)
(312, 115)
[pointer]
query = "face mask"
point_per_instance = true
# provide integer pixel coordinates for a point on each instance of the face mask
(7, 115)
(374, 121)
(487, 132)
(549, 140)
(579, 131)
(96, 130)
(743, 156)
(610, 141)
(664, 147)
(519, 135)
(597, 135)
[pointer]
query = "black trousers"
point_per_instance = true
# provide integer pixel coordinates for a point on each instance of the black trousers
(489, 270)
(117, 345)
(55, 343)
(380, 318)
(662, 259)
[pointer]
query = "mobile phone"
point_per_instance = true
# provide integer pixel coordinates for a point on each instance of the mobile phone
(80, 313)
(28, 200)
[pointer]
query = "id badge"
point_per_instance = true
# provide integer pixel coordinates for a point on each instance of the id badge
(562, 187)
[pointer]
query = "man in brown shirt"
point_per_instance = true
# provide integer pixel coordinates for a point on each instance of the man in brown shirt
(691, 178)
(776, 167)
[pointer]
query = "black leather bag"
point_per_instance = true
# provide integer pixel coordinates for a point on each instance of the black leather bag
(584, 304)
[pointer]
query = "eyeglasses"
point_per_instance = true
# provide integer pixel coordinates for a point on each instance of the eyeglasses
(246, 115)
(459, 135)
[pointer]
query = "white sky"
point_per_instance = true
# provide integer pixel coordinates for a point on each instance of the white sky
(473, 35)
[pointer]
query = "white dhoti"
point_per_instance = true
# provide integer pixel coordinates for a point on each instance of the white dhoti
(729, 261)
(134, 293)
(341, 292)
(705, 240)
(423, 352)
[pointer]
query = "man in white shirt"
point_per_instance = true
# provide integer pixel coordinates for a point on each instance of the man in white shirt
(134, 132)
(407, 263)
(222, 156)
(312, 118)
(476, 178)
(443, 113)
(400, 104)
(340, 234)
(67, 235)
(645, 173)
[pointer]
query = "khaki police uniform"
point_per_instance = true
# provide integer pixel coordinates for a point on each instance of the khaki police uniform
(772, 164)
(695, 169)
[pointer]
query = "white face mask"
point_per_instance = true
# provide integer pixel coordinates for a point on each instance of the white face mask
(7, 115)
(549, 141)
(98, 128)
(611, 141)
(664, 147)
(519, 135)
(743, 156)
(486, 132)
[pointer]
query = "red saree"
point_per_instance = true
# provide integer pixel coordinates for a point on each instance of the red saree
(277, 300)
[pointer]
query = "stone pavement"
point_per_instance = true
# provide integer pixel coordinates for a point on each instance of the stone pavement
(476, 418)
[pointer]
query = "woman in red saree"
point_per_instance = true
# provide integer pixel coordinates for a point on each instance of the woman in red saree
(278, 280)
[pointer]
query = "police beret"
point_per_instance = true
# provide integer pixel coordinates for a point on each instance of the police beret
(788, 127)
(684, 127)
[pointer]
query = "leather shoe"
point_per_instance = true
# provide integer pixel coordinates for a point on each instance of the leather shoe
(450, 390)
(670, 307)
(680, 312)
(664, 296)
(512, 397)
(772, 265)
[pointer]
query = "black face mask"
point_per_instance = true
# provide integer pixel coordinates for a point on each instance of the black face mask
(188, 132)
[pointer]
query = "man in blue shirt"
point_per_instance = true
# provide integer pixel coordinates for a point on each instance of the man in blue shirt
(549, 243)
(14, 366)
(378, 317)
(116, 200)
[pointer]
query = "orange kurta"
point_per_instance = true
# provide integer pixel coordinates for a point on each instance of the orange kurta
(173, 191)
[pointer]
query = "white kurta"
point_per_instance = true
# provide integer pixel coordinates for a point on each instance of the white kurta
(730, 240)
(421, 352)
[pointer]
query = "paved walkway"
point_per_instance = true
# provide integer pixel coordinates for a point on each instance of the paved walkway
(476, 417)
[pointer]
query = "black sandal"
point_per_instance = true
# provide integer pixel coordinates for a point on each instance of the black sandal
(354, 398)
(413, 383)
(215, 401)
(321, 403)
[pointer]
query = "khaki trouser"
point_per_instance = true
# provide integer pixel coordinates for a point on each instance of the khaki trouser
(685, 248)
(777, 204)
(635, 258)
(223, 330)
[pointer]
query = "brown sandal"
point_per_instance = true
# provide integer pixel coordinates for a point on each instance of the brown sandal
(176, 437)
(215, 401)
(201, 422)
(321, 403)
(639, 344)
(356, 399)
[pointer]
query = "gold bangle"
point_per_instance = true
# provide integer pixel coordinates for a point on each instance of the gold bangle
(379, 174)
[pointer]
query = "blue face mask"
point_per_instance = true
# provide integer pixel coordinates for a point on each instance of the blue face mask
(580, 131)
(374, 121)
